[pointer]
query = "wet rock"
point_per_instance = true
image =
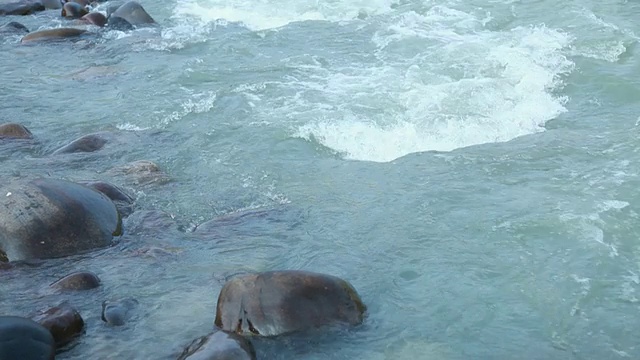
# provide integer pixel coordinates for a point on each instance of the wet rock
(25, 339)
(84, 3)
(131, 14)
(73, 10)
(142, 172)
(52, 4)
(122, 200)
(279, 302)
(63, 321)
(94, 18)
(20, 7)
(112, 8)
(53, 34)
(117, 313)
(49, 218)
(87, 143)
(82, 280)
(219, 345)
(150, 222)
(13, 130)
(13, 27)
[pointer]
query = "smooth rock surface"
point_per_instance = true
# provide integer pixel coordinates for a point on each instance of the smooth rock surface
(25, 339)
(219, 345)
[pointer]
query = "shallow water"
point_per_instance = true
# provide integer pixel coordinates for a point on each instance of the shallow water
(469, 166)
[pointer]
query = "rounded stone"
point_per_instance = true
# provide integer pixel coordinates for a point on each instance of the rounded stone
(52, 34)
(116, 313)
(129, 15)
(219, 345)
(279, 302)
(25, 339)
(25, 7)
(13, 130)
(95, 18)
(50, 218)
(63, 322)
(82, 280)
(87, 143)
(73, 10)
(122, 200)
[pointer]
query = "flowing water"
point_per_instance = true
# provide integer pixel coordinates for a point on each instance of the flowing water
(471, 167)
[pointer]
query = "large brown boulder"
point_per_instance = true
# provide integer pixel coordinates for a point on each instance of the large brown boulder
(279, 302)
(50, 218)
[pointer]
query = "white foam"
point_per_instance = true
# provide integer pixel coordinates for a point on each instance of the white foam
(464, 86)
(130, 127)
(262, 15)
(197, 103)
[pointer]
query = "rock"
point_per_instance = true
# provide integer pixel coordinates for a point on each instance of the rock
(150, 222)
(50, 218)
(131, 14)
(219, 345)
(13, 27)
(21, 8)
(53, 34)
(87, 143)
(117, 312)
(64, 323)
(52, 4)
(13, 130)
(82, 280)
(84, 3)
(142, 172)
(112, 7)
(279, 302)
(73, 10)
(94, 18)
(25, 339)
(122, 200)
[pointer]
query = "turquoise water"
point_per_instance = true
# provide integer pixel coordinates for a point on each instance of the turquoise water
(469, 166)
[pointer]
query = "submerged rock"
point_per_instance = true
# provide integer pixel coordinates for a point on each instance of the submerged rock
(279, 302)
(219, 345)
(142, 172)
(53, 34)
(117, 313)
(25, 339)
(21, 7)
(82, 280)
(50, 218)
(150, 222)
(13, 130)
(87, 143)
(129, 15)
(13, 27)
(63, 321)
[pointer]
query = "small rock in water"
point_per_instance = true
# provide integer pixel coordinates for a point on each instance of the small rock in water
(63, 321)
(52, 34)
(24, 7)
(117, 312)
(73, 10)
(219, 345)
(13, 130)
(13, 27)
(25, 339)
(142, 172)
(87, 143)
(129, 15)
(83, 280)
(279, 302)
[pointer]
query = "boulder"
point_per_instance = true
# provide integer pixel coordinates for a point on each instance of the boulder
(50, 218)
(128, 16)
(25, 339)
(280, 302)
(13, 130)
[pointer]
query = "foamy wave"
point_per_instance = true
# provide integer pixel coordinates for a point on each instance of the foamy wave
(264, 15)
(130, 127)
(446, 83)
(197, 103)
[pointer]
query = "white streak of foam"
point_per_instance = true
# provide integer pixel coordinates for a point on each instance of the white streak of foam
(262, 15)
